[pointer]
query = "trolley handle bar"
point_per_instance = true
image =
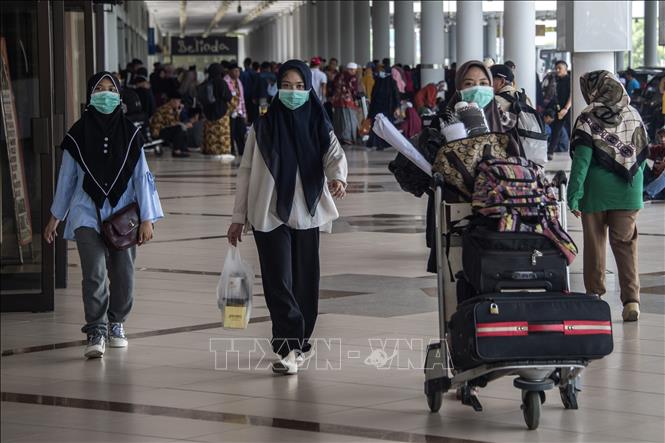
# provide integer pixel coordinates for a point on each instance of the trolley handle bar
(438, 180)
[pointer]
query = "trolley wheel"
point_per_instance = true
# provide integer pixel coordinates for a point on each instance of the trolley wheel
(569, 396)
(434, 400)
(531, 409)
(540, 393)
(158, 151)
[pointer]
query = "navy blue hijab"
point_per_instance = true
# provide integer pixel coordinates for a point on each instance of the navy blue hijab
(106, 146)
(295, 141)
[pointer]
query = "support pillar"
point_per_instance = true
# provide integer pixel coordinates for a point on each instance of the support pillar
(650, 33)
(334, 29)
(452, 43)
(290, 36)
(347, 35)
(431, 42)
(591, 50)
(322, 30)
(312, 36)
(584, 62)
(470, 30)
(619, 64)
(361, 23)
(520, 42)
(305, 32)
(490, 37)
(380, 29)
(283, 38)
(405, 47)
(297, 33)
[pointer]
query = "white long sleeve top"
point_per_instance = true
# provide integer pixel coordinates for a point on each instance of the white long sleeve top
(256, 196)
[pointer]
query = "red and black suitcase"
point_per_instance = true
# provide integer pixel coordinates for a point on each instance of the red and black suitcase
(525, 326)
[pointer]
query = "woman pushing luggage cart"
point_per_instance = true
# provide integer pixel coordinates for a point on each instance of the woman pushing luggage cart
(502, 254)
(511, 315)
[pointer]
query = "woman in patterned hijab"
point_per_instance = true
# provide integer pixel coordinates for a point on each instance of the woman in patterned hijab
(605, 187)
(610, 126)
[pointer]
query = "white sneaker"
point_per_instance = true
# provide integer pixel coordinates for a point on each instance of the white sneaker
(287, 365)
(96, 346)
(227, 158)
(631, 312)
(117, 337)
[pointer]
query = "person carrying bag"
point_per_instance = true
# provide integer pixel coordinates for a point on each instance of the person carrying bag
(292, 168)
(104, 179)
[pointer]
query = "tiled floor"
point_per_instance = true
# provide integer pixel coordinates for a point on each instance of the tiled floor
(176, 383)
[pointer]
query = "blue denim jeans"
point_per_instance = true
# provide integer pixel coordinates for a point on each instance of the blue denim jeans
(656, 186)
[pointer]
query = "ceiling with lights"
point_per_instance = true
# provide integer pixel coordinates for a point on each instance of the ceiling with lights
(214, 17)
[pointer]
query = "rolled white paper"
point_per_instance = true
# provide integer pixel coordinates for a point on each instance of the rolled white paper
(384, 129)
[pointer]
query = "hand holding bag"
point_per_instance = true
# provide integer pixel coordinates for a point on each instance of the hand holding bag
(121, 230)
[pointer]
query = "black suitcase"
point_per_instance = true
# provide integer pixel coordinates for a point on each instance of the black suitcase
(494, 261)
(527, 326)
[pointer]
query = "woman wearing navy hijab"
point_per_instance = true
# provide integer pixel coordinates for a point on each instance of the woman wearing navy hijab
(292, 168)
(103, 170)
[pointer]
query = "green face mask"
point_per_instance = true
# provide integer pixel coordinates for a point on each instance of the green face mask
(293, 99)
(481, 95)
(105, 101)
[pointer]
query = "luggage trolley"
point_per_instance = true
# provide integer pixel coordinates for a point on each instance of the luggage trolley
(533, 377)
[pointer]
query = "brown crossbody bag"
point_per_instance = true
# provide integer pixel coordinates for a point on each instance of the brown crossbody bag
(121, 230)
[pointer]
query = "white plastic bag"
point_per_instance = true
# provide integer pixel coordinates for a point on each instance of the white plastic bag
(234, 291)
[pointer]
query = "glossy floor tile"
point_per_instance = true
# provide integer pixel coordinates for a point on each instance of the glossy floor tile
(184, 378)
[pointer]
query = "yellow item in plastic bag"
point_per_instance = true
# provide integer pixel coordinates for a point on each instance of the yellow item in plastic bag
(234, 317)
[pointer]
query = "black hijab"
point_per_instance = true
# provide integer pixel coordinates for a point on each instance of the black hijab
(106, 146)
(215, 74)
(295, 141)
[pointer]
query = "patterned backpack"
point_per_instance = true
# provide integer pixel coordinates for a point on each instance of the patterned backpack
(516, 192)
(457, 162)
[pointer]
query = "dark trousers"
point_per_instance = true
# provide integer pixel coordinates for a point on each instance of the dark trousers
(252, 110)
(176, 136)
(238, 131)
(557, 127)
(290, 273)
(195, 135)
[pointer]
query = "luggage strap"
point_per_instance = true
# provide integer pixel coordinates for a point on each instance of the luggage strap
(522, 328)
(455, 229)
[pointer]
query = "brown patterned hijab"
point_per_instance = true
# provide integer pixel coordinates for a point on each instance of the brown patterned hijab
(610, 126)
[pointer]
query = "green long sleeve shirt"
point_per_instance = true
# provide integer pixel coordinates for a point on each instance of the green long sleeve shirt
(592, 188)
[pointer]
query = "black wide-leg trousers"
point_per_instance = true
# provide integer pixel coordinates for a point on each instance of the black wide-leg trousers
(290, 273)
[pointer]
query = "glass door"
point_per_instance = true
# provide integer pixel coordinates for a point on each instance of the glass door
(26, 152)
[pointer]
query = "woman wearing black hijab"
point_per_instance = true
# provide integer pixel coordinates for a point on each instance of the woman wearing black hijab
(217, 128)
(292, 168)
(103, 171)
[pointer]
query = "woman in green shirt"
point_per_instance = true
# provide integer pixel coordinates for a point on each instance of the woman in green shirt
(609, 147)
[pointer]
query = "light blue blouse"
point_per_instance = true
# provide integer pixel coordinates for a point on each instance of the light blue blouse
(73, 203)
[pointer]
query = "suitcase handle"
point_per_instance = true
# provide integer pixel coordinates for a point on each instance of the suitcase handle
(524, 284)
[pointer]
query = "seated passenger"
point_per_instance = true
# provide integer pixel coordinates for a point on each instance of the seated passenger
(548, 118)
(166, 124)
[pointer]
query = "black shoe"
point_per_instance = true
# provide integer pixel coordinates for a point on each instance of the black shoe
(550, 157)
(180, 154)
